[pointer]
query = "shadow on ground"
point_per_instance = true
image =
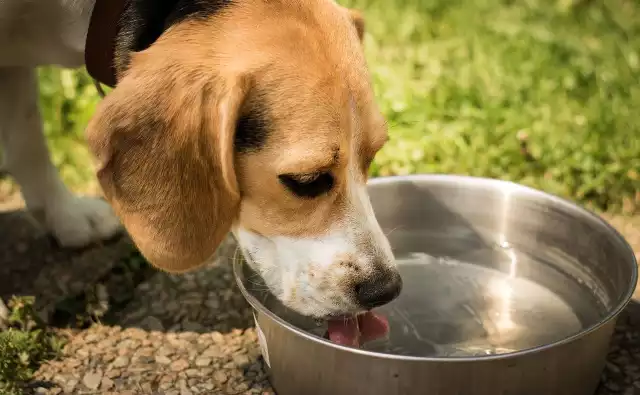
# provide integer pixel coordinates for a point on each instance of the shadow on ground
(112, 284)
(32, 264)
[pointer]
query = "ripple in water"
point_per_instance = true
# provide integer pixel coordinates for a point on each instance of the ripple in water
(452, 308)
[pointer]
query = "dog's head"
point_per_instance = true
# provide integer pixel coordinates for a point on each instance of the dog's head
(257, 117)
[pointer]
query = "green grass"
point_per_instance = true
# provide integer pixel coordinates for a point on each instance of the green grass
(24, 346)
(465, 83)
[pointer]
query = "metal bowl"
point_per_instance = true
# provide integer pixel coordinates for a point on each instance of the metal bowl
(507, 290)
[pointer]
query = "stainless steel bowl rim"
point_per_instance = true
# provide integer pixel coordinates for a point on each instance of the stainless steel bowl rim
(614, 312)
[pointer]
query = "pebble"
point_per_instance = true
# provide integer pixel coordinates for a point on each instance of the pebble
(202, 362)
(179, 365)
(151, 323)
(92, 380)
(220, 377)
(121, 362)
(163, 360)
(106, 384)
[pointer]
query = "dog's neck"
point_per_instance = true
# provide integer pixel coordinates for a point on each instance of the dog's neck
(120, 27)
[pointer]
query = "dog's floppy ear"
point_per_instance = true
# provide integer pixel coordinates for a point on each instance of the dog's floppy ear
(358, 22)
(163, 139)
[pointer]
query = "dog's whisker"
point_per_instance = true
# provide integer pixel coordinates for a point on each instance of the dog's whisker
(392, 230)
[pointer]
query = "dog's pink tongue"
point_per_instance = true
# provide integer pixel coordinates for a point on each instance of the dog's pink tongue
(355, 331)
(344, 331)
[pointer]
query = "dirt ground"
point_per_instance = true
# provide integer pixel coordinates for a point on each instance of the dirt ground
(178, 335)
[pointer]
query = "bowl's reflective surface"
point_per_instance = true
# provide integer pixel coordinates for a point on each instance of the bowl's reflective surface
(488, 268)
(465, 307)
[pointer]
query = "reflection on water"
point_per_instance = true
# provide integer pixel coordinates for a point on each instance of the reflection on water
(475, 306)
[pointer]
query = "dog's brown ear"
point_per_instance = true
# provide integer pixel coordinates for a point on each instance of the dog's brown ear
(163, 139)
(358, 22)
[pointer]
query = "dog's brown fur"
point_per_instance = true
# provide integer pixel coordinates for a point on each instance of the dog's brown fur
(164, 137)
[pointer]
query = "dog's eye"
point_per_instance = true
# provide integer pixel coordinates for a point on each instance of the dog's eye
(307, 185)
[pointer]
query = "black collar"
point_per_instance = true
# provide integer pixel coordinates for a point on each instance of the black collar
(100, 44)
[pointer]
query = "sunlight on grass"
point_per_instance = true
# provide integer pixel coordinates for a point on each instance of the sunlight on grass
(463, 84)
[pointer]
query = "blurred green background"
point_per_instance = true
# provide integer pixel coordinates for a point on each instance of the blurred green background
(541, 92)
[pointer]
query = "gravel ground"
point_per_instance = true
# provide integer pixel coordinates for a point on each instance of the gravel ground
(180, 334)
(193, 333)
(112, 360)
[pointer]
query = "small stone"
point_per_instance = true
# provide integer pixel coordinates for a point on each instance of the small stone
(70, 386)
(213, 303)
(612, 386)
(145, 359)
(136, 333)
(107, 384)
(92, 380)
(151, 323)
(165, 385)
(172, 306)
(193, 327)
(112, 373)
(161, 359)
(106, 343)
(139, 368)
(217, 337)
(212, 352)
(220, 377)
(91, 338)
(202, 362)
(40, 391)
(128, 344)
(165, 351)
(179, 365)
(121, 362)
(205, 372)
(180, 344)
(73, 363)
(241, 387)
(193, 382)
(241, 360)
(108, 358)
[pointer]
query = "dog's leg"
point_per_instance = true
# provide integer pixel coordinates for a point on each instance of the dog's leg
(73, 221)
(4, 316)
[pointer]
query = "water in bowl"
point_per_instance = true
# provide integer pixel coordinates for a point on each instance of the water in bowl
(492, 299)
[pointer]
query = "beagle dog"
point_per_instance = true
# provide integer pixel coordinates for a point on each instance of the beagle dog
(255, 117)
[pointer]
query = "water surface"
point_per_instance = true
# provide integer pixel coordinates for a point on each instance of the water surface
(489, 300)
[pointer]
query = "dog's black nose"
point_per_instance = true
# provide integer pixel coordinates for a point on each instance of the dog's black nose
(378, 290)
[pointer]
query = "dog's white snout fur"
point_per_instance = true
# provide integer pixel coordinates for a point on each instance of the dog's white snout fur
(316, 276)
